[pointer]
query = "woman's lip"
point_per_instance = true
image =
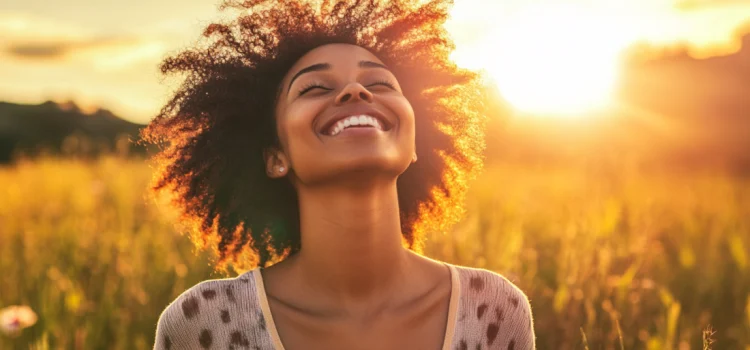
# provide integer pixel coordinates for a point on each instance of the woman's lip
(387, 124)
(358, 131)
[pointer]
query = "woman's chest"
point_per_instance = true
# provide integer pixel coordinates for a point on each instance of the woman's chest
(421, 327)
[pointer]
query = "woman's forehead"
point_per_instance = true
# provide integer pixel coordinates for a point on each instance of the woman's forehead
(335, 55)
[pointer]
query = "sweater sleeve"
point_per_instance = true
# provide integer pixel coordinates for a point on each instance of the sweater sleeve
(174, 329)
(520, 325)
(494, 313)
(219, 313)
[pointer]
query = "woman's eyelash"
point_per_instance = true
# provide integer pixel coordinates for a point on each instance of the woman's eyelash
(384, 82)
(316, 85)
(311, 86)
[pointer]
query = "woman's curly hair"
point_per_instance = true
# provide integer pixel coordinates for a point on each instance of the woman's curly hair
(215, 127)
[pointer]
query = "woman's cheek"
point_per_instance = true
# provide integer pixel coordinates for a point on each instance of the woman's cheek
(404, 110)
(305, 111)
(298, 124)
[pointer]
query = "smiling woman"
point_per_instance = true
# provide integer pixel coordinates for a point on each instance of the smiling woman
(293, 146)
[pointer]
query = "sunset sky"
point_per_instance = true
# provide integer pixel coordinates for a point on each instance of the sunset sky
(106, 53)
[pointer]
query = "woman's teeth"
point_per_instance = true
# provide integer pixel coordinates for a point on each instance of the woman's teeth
(355, 120)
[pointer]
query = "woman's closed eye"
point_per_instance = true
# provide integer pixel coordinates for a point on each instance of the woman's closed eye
(312, 86)
(385, 83)
(316, 85)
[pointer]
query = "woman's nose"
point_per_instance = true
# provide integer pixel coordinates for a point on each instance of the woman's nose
(354, 91)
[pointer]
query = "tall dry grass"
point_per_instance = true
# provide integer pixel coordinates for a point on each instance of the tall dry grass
(652, 258)
(613, 256)
(82, 245)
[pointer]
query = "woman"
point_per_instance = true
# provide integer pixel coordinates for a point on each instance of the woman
(293, 146)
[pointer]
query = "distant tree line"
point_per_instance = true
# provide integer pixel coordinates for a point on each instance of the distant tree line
(63, 129)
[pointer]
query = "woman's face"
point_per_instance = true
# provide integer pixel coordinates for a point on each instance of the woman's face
(341, 115)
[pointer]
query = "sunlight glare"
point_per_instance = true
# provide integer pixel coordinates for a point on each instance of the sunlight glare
(552, 59)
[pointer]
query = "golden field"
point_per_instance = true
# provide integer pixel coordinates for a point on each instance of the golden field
(610, 258)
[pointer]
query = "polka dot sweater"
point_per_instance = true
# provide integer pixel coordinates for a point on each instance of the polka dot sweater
(486, 312)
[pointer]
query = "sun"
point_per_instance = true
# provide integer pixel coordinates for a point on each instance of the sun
(557, 60)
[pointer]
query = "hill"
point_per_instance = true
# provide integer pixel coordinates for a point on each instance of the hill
(62, 128)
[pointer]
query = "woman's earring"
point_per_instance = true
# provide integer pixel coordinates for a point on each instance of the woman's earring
(281, 169)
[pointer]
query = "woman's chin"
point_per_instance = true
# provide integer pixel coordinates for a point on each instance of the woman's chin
(364, 169)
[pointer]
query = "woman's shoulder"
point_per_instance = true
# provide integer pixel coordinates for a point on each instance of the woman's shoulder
(482, 281)
(490, 302)
(221, 312)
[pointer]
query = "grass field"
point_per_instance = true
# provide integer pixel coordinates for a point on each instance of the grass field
(609, 259)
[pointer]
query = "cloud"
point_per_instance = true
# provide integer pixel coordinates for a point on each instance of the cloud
(49, 51)
(104, 48)
(43, 58)
(44, 48)
(41, 40)
(97, 53)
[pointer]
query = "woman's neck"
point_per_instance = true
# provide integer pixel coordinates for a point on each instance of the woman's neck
(351, 242)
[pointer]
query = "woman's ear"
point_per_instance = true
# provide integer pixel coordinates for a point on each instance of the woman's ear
(277, 165)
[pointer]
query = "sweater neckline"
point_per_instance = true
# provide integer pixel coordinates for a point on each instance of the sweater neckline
(449, 329)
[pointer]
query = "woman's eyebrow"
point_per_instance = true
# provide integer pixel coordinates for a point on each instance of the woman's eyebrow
(326, 66)
(370, 64)
(313, 68)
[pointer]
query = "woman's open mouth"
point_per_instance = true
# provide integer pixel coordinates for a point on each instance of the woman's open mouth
(335, 127)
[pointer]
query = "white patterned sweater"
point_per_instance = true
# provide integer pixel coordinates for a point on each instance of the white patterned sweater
(486, 311)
